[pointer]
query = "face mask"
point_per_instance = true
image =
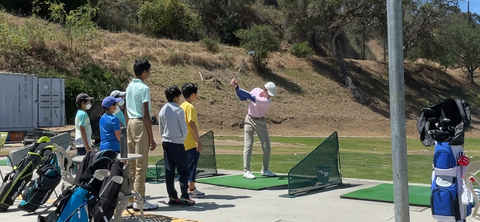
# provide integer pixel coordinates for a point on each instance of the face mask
(121, 102)
(89, 106)
(117, 110)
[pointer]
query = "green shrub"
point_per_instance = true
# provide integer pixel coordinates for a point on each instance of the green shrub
(301, 50)
(261, 39)
(94, 80)
(79, 32)
(169, 19)
(210, 44)
(118, 15)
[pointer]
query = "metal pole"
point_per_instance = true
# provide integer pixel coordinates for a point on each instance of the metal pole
(397, 110)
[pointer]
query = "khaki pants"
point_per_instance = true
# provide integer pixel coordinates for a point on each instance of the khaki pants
(258, 125)
(138, 142)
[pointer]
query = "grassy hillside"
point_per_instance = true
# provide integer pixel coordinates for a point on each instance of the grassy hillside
(311, 99)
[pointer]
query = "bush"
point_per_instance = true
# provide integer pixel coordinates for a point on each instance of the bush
(301, 50)
(94, 80)
(261, 39)
(169, 19)
(80, 32)
(118, 15)
(19, 40)
(210, 44)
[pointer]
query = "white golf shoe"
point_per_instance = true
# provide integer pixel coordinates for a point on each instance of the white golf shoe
(248, 175)
(268, 173)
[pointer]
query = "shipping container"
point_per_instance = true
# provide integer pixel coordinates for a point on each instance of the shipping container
(28, 102)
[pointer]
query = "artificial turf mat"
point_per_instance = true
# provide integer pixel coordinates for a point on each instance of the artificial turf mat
(238, 181)
(3, 162)
(418, 195)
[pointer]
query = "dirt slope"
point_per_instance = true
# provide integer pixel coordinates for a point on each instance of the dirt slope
(311, 99)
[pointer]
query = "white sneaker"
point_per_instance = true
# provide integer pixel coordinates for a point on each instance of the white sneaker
(268, 173)
(130, 205)
(248, 175)
(196, 193)
(146, 206)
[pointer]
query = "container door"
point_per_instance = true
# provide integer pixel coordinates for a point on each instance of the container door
(51, 106)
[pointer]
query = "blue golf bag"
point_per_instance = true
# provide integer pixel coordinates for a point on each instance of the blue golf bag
(443, 125)
(76, 203)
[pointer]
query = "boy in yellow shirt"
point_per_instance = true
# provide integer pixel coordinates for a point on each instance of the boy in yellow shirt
(193, 145)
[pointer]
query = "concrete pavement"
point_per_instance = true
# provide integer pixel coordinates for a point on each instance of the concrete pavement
(231, 204)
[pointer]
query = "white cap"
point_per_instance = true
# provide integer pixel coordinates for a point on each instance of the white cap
(271, 88)
(117, 93)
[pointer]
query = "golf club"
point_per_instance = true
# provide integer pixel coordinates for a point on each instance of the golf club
(243, 62)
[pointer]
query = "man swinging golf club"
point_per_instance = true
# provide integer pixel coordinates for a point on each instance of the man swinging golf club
(259, 103)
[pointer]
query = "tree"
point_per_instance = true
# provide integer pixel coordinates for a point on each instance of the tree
(459, 46)
(259, 38)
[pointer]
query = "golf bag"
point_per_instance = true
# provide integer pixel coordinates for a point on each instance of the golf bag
(77, 202)
(108, 198)
(39, 190)
(444, 125)
(15, 181)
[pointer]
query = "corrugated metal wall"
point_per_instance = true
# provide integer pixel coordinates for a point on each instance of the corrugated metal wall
(28, 102)
(18, 102)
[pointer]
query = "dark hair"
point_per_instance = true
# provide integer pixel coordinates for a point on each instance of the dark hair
(140, 66)
(188, 89)
(79, 104)
(172, 92)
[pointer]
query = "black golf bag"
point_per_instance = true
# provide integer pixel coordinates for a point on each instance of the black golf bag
(108, 198)
(76, 203)
(39, 190)
(15, 181)
(444, 125)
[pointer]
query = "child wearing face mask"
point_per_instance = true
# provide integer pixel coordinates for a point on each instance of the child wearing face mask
(120, 115)
(110, 125)
(83, 129)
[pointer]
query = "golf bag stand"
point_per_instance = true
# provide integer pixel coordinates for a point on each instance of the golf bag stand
(443, 125)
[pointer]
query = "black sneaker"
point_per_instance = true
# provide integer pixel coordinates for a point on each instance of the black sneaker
(174, 201)
(187, 202)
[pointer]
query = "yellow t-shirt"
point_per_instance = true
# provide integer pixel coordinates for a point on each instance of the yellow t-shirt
(190, 115)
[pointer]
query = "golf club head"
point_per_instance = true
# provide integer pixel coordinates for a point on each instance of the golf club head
(101, 174)
(251, 52)
(117, 179)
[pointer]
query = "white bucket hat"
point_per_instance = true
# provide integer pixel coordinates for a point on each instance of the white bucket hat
(271, 88)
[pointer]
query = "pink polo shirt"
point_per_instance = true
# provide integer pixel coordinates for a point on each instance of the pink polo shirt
(260, 107)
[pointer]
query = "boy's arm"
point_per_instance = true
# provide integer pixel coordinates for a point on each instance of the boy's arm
(183, 124)
(146, 117)
(83, 131)
(84, 137)
(191, 114)
(116, 128)
(125, 113)
(148, 124)
(195, 135)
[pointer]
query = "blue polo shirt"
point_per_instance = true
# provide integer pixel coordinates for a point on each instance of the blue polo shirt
(137, 94)
(108, 125)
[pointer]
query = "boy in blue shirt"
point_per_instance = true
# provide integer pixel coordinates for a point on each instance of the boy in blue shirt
(110, 125)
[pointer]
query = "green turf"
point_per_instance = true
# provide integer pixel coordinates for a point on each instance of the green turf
(3, 162)
(418, 195)
(238, 181)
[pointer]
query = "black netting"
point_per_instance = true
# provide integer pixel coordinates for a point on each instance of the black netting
(207, 164)
(319, 169)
